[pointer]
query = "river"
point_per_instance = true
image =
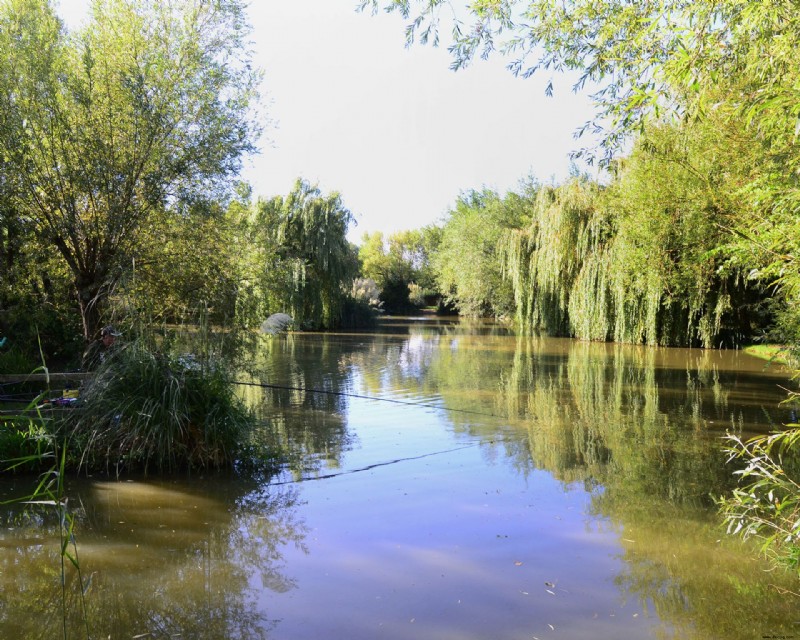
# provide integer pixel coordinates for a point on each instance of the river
(445, 480)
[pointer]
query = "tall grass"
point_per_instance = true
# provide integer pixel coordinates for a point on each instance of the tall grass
(148, 409)
(26, 430)
(149, 405)
(50, 492)
(27, 442)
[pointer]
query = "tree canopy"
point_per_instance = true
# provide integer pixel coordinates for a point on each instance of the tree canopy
(145, 109)
(641, 57)
(399, 263)
(309, 264)
(723, 70)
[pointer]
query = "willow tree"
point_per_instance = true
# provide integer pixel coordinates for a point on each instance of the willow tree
(309, 263)
(541, 260)
(144, 109)
(644, 258)
(662, 62)
(674, 202)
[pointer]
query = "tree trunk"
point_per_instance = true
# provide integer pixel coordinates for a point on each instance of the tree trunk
(91, 300)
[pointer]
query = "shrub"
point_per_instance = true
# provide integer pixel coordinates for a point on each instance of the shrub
(25, 444)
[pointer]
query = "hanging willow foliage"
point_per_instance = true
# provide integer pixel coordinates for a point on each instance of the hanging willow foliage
(544, 260)
(313, 263)
(633, 262)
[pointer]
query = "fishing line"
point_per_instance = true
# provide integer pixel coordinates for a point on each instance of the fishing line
(346, 394)
(379, 464)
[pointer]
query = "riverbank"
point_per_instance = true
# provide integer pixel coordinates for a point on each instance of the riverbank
(773, 353)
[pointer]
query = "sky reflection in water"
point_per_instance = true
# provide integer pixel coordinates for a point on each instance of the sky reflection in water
(547, 488)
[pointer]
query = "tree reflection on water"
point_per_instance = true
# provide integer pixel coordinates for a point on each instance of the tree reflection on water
(639, 430)
(158, 560)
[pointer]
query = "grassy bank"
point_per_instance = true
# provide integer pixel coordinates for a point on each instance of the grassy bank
(773, 353)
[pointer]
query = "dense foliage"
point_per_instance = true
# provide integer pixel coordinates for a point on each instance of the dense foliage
(109, 126)
(308, 264)
(468, 270)
(708, 93)
(401, 267)
(690, 239)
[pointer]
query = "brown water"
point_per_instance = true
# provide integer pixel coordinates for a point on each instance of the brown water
(503, 487)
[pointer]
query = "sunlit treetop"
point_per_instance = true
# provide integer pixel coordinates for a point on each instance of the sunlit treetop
(147, 107)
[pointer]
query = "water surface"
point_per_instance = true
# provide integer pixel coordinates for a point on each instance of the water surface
(446, 480)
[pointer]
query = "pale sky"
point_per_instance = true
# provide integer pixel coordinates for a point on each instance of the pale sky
(393, 130)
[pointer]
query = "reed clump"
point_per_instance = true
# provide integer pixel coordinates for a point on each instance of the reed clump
(146, 409)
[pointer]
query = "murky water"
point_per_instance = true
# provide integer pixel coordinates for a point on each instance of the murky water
(447, 481)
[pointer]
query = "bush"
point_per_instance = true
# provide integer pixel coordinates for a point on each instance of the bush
(395, 297)
(13, 360)
(25, 444)
(34, 331)
(358, 314)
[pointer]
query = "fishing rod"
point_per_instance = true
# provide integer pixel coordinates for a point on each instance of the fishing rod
(346, 394)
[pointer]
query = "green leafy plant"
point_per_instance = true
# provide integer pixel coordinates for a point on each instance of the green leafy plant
(766, 505)
(26, 428)
(28, 438)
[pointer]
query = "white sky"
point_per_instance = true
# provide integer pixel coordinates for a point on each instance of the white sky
(392, 129)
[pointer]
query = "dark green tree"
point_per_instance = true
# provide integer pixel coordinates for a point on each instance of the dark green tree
(468, 266)
(401, 264)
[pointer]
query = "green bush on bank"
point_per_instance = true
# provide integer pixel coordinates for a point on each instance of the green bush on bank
(25, 444)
